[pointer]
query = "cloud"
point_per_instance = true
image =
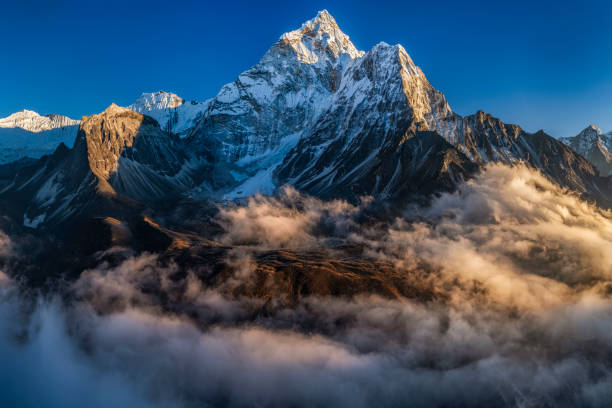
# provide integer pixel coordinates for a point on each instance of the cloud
(42, 365)
(523, 315)
(290, 220)
(528, 243)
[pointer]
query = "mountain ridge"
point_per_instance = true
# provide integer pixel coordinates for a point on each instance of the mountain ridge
(34, 122)
(595, 146)
(314, 113)
(173, 113)
(27, 134)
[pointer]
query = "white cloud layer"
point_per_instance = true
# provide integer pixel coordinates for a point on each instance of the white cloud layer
(523, 315)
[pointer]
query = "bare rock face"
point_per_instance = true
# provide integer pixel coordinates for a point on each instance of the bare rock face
(484, 138)
(130, 152)
(119, 155)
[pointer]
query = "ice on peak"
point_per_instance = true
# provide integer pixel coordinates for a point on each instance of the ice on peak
(324, 16)
(595, 146)
(24, 113)
(156, 100)
(172, 112)
(28, 134)
(319, 36)
(34, 122)
(394, 51)
(388, 49)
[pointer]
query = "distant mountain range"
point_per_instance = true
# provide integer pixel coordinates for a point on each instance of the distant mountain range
(595, 146)
(314, 112)
(28, 134)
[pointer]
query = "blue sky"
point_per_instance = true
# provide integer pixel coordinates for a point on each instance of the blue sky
(540, 64)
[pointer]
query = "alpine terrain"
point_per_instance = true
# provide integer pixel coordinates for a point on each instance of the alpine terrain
(595, 146)
(314, 113)
(172, 112)
(26, 134)
(324, 231)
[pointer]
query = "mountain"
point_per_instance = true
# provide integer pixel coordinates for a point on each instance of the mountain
(314, 112)
(254, 121)
(595, 146)
(33, 122)
(28, 134)
(119, 157)
(337, 122)
(172, 112)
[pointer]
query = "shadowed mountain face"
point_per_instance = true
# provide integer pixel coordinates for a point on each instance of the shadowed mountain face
(119, 156)
(335, 122)
(314, 113)
(400, 254)
(129, 152)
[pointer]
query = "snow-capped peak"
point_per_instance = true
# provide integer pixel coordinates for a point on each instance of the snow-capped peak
(172, 112)
(318, 36)
(22, 114)
(591, 130)
(33, 122)
(595, 146)
(149, 101)
(588, 137)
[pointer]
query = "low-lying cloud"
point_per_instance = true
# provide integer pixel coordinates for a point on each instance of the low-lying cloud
(290, 220)
(523, 315)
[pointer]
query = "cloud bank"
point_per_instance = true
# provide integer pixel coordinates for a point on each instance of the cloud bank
(522, 316)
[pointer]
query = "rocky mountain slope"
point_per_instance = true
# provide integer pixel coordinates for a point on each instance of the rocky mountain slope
(334, 121)
(595, 146)
(28, 134)
(315, 113)
(253, 122)
(119, 156)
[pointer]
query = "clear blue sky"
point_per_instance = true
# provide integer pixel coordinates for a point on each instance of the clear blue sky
(540, 64)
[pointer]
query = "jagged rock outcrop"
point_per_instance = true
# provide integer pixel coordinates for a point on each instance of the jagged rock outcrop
(485, 139)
